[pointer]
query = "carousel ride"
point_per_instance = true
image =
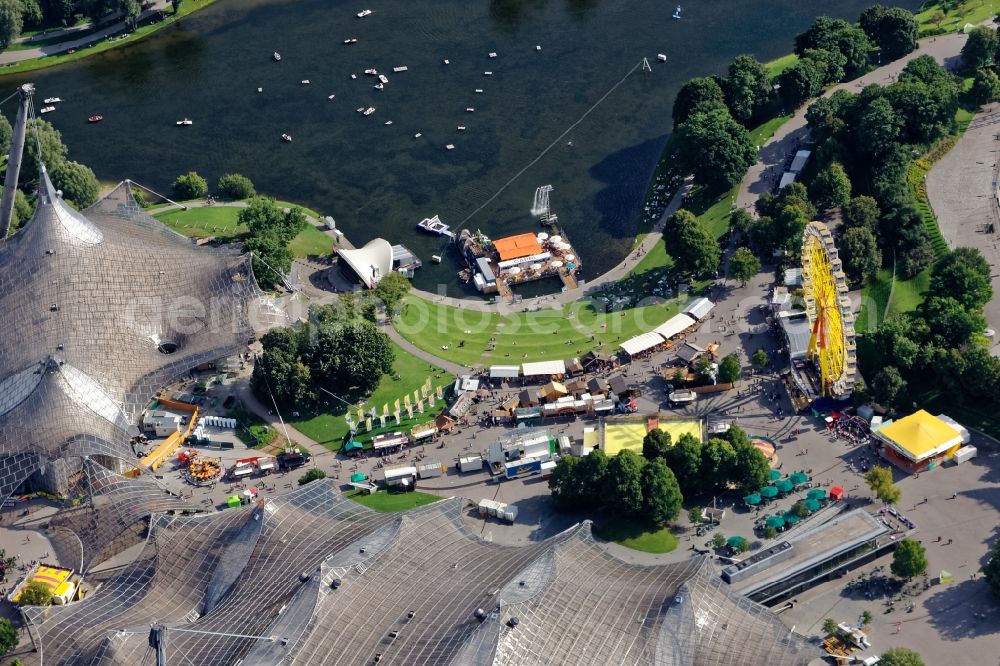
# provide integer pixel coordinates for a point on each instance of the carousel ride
(831, 351)
(200, 470)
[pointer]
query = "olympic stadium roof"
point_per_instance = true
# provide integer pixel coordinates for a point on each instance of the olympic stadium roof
(313, 577)
(101, 308)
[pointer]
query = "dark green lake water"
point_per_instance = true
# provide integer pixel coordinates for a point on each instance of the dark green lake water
(378, 180)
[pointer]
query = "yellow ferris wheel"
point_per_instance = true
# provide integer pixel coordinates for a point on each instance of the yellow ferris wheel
(831, 343)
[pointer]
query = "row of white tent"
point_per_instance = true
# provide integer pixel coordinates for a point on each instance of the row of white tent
(216, 422)
(692, 313)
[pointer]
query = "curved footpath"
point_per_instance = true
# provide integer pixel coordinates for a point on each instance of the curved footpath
(11, 57)
(773, 155)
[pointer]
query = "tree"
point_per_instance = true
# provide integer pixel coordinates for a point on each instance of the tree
(564, 483)
(8, 636)
(866, 618)
(698, 95)
(802, 81)
(862, 211)
(893, 29)
(312, 475)
(831, 188)
(706, 369)
(748, 87)
(949, 322)
(879, 128)
(830, 626)
(6, 132)
(963, 274)
(740, 544)
(130, 10)
(889, 387)
(35, 593)
(176, 4)
(655, 444)
(880, 481)
(980, 376)
(927, 108)
(623, 482)
(390, 290)
(32, 13)
(78, 183)
(800, 509)
(979, 47)
(770, 531)
(661, 495)
(909, 560)
(53, 150)
(236, 186)
(730, 369)
(760, 359)
(718, 539)
(272, 260)
(684, 458)
(262, 216)
(839, 36)
(750, 467)
(352, 356)
(11, 22)
(592, 473)
(830, 62)
(190, 186)
(694, 250)
(860, 254)
(694, 515)
(283, 376)
(718, 459)
(369, 312)
(985, 86)
(991, 570)
(744, 264)
(899, 656)
(23, 210)
(715, 148)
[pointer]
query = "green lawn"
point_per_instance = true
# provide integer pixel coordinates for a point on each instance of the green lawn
(778, 65)
(524, 336)
(637, 535)
(908, 294)
(387, 502)
(763, 132)
(328, 427)
(221, 222)
(969, 11)
(144, 31)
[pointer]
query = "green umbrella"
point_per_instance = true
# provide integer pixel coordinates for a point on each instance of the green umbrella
(752, 499)
(774, 475)
(799, 478)
(812, 505)
(816, 494)
(791, 518)
(784, 485)
(768, 491)
(777, 522)
(357, 477)
(735, 541)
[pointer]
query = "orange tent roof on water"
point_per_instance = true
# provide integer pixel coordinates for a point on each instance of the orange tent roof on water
(515, 247)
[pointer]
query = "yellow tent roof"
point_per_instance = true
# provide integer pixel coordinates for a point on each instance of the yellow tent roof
(920, 435)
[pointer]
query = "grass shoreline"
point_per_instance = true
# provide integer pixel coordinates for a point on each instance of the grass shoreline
(81, 52)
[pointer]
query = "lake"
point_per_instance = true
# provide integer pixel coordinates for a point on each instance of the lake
(577, 114)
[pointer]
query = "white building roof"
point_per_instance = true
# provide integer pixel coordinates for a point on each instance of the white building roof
(797, 330)
(504, 371)
(674, 326)
(699, 308)
(371, 262)
(787, 178)
(543, 368)
(799, 161)
(641, 343)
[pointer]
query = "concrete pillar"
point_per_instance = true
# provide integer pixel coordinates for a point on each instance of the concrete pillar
(14, 159)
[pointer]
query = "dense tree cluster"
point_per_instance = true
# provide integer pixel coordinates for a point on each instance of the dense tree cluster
(709, 467)
(940, 345)
(991, 570)
(236, 186)
(270, 230)
(626, 484)
(8, 636)
(17, 15)
(715, 148)
(865, 143)
(347, 359)
(694, 249)
(899, 656)
(781, 221)
(981, 59)
(893, 29)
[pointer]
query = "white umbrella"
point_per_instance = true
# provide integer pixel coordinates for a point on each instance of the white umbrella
(536, 267)
(556, 263)
(569, 257)
(516, 270)
(542, 236)
(556, 239)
